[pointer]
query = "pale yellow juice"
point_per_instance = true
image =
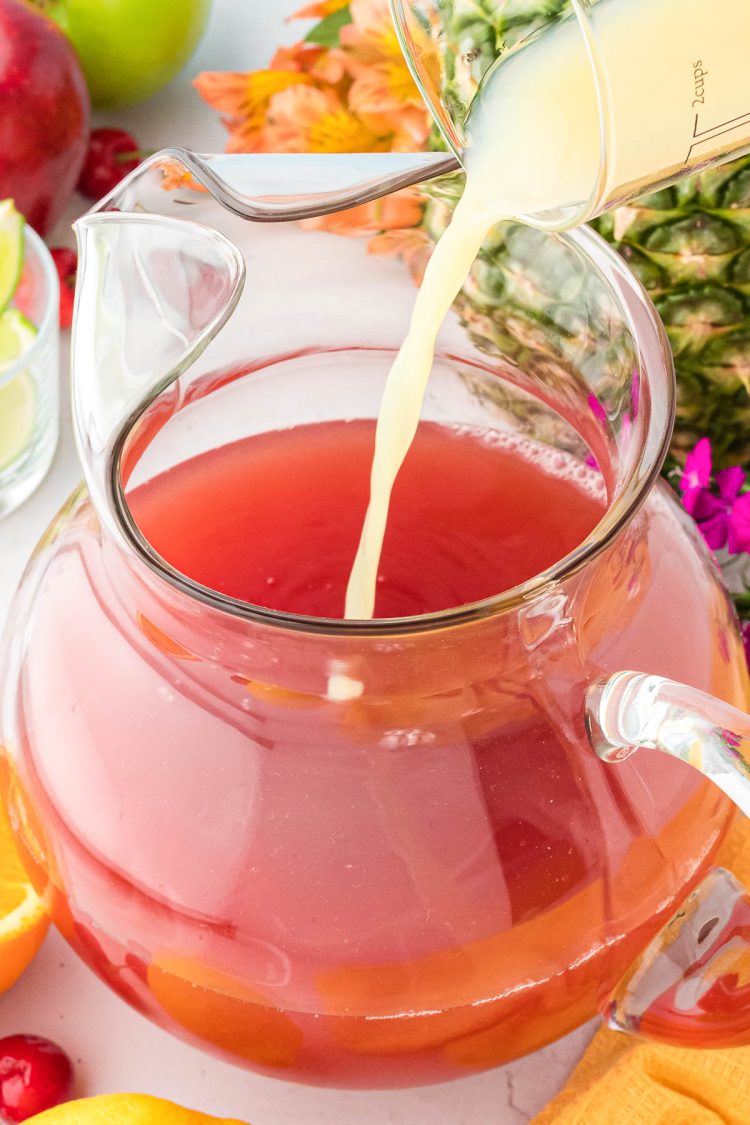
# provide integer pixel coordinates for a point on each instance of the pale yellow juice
(674, 92)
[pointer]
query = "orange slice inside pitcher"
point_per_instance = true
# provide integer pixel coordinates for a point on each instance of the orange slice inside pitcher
(224, 1012)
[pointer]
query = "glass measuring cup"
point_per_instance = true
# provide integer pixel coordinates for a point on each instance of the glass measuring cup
(628, 123)
(596, 106)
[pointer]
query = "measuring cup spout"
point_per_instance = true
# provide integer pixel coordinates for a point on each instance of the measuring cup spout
(272, 187)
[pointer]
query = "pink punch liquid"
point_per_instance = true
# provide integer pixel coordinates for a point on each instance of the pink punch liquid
(403, 888)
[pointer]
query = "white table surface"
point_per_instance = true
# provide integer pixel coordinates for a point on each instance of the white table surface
(114, 1048)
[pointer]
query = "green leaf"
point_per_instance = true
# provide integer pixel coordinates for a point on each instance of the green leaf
(326, 33)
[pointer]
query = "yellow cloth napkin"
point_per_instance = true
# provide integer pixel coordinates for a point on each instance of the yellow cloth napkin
(626, 1081)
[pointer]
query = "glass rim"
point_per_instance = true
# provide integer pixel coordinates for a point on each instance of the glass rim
(658, 374)
(51, 307)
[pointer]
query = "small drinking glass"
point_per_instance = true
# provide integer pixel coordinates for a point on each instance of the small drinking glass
(29, 385)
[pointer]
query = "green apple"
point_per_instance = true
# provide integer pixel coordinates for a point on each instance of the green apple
(129, 49)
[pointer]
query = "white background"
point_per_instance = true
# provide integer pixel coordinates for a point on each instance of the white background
(114, 1048)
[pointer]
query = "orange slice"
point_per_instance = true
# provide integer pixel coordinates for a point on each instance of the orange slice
(23, 920)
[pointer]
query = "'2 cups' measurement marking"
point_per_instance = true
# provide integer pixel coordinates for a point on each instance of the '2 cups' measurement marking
(708, 136)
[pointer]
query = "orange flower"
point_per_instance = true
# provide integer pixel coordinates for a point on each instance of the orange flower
(394, 223)
(383, 91)
(244, 137)
(384, 87)
(307, 119)
(408, 128)
(321, 64)
(371, 36)
(356, 97)
(319, 11)
(412, 246)
(245, 97)
(400, 210)
(175, 175)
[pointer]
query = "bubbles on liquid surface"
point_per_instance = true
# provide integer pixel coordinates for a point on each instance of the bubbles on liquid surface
(552, 461)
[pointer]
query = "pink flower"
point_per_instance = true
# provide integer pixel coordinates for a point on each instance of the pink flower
(697, 474)
(597, 409)
(746, 641)
(738, 538)
(724, 520)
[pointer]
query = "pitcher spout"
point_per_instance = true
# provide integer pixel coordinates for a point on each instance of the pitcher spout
(151, 294)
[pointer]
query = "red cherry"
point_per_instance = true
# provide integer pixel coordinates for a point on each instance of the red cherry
(35, 1075)
(112, 153)
(66, 264)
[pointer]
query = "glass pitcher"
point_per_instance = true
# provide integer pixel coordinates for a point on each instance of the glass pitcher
(431, 872)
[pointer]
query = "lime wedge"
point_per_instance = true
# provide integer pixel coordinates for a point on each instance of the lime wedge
(16, 337)
(11, 250)
(18, 395)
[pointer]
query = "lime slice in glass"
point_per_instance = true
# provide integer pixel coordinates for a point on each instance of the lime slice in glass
(11, 250)
(17, 395)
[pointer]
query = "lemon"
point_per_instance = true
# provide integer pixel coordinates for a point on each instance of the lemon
(11, 250)
(18, 395)
(126, 1109)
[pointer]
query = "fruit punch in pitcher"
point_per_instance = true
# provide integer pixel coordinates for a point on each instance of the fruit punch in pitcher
(371, 877)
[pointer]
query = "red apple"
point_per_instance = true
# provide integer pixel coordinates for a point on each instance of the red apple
(44, 114)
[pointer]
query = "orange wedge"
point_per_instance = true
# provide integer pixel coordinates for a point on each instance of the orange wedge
(126, 1109)
(23, 920)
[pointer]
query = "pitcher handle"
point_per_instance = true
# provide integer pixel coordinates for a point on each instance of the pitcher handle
(691, 985)
(632, 710)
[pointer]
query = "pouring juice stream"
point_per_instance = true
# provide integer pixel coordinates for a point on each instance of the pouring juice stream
(534, 148)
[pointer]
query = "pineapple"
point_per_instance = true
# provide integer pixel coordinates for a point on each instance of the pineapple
(689, 244)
